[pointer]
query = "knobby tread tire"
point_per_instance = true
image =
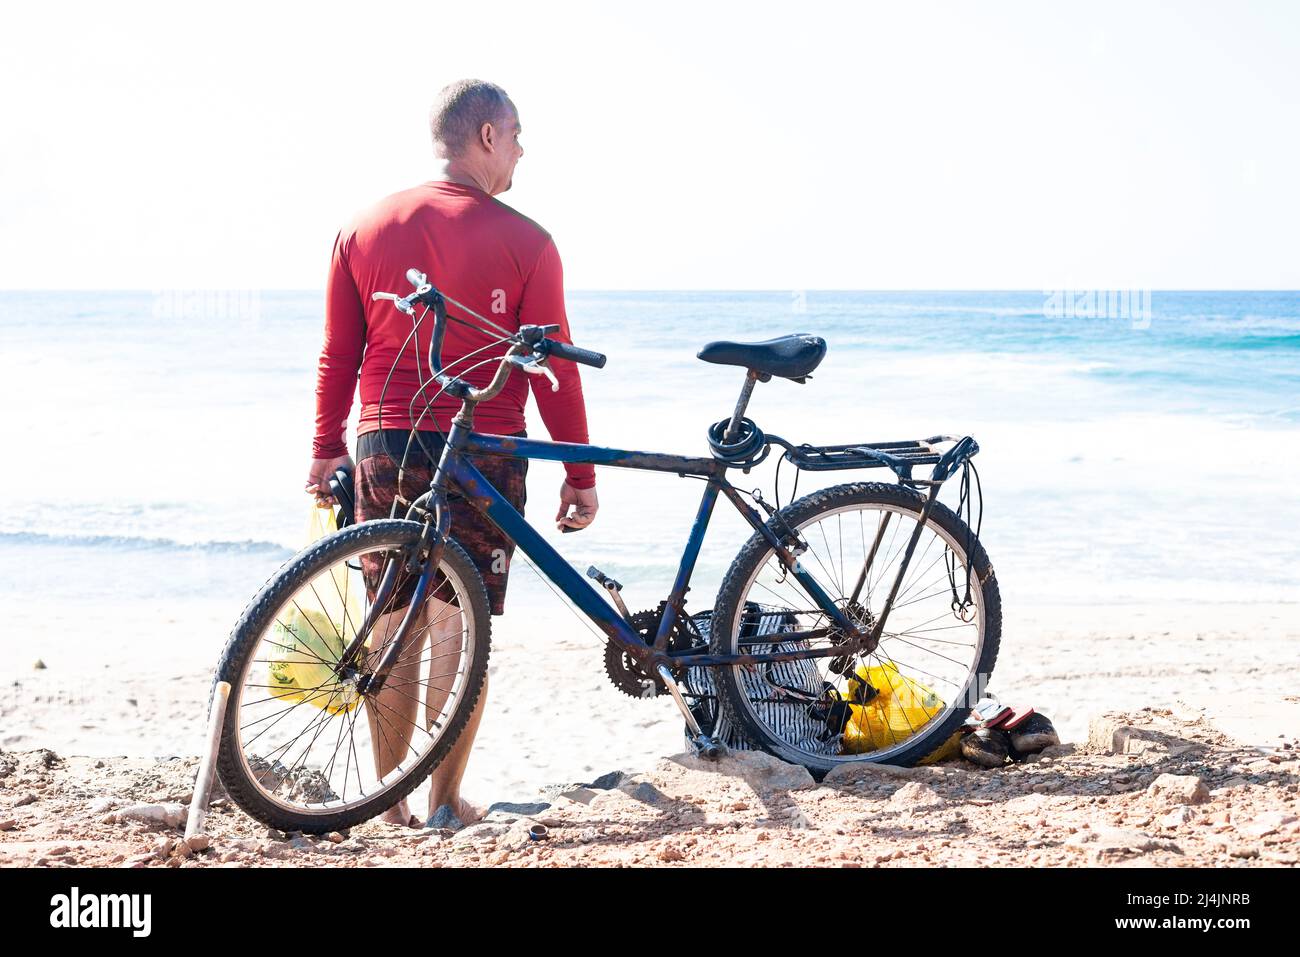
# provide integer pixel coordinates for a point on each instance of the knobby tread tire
(757, 551)
(256, 618)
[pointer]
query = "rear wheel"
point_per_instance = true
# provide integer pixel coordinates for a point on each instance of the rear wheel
(896, 704)
(305, 749)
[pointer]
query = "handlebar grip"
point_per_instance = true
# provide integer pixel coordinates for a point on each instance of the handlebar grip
(574, 354)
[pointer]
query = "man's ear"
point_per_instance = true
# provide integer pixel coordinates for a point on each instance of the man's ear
(487, 137)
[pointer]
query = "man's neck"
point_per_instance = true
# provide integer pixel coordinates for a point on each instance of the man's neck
(453, 172)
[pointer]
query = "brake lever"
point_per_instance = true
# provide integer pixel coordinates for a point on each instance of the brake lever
(537, 366)
(404, 304)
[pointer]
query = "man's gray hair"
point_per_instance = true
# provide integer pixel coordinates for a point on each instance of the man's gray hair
(460, 111)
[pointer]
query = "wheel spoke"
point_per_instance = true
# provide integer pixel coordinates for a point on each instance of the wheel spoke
(288, 698)
(940, 653)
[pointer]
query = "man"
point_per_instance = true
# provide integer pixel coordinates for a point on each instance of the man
(503, 266)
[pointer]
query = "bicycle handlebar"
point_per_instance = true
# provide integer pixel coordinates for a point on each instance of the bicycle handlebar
(526, 340)
(573, 353)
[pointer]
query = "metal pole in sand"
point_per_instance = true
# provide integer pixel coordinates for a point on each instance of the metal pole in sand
(203, 784)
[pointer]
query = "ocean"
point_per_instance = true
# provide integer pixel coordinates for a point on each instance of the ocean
(159, 443)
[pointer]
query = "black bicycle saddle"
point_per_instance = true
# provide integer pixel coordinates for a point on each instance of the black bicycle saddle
(790, 357)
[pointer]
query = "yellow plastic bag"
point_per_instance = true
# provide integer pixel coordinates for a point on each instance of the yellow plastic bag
(311, 634)
(901, 707)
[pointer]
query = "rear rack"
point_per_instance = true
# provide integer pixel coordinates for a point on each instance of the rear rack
(861, 455)
(900, 457)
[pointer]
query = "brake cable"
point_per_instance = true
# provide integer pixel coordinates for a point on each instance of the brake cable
(414, 431)
(970, 500)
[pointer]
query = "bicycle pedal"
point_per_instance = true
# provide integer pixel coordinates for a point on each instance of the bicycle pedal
(597, 575)
(614, 588)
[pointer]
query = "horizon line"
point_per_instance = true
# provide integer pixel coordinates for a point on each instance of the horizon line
(786, 290)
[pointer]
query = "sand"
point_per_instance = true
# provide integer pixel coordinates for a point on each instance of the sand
(136, 690)
(1156, 787)
(106, 724)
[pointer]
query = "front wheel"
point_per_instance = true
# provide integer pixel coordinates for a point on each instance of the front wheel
(306, 745)
(897, 704)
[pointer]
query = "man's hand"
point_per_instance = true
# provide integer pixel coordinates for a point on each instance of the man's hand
(318, 477)
(584, 505)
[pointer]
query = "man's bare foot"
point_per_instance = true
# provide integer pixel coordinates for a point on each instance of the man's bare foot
(400, 814)
(469, 813)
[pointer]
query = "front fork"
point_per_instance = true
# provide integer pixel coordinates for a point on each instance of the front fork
(432, 541)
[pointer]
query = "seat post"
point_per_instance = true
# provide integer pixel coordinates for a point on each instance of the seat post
(733, 427)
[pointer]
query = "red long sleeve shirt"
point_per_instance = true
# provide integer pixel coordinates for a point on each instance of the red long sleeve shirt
(478, 251)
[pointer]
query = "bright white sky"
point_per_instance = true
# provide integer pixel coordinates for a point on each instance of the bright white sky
(668, 145)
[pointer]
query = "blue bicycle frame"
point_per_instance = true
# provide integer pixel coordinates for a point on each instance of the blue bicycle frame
(485, 498)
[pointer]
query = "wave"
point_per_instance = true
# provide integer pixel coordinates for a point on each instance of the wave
(139, 543)
(1281, 342)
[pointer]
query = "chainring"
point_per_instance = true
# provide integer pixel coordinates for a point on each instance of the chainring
(626, 673)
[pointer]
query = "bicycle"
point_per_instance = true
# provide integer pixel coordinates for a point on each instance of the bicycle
(797, 645)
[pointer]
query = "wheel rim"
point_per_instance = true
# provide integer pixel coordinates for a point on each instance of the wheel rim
(309, 748)
(924, 647)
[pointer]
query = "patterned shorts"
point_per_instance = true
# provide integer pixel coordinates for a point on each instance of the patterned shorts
(376, 491)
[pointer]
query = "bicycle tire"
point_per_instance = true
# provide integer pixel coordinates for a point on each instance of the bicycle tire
(258, 617)
(752, 558)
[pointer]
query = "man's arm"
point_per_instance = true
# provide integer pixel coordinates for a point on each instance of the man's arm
(336, 374)
(340, 357)
(563, 412)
